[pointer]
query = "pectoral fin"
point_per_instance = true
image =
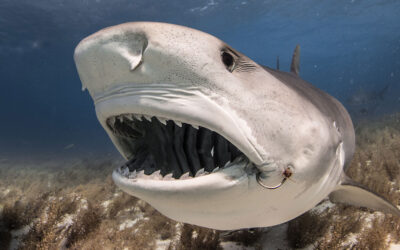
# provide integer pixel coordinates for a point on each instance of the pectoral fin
(352, 193)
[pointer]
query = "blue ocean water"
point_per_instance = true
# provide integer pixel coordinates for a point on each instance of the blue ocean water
(349, 48)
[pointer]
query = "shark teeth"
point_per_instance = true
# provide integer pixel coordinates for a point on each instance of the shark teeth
(111, 121)
(168, 177)
(156, 175)
(141, 174)
(147, 117)
(129, 117)
(227, 164)
(125, 171)
(132, 174)
(191, 150)
(185, 176)
(200, 172)
(142, 117)
(163, 121)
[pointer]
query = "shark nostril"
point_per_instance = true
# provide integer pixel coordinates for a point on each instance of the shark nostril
(139, 55)
(130, 47)
(135, 58)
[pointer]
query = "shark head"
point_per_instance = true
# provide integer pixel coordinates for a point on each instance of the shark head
(212, 138)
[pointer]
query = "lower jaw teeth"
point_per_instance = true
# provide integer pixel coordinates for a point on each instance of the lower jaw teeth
(124, 170)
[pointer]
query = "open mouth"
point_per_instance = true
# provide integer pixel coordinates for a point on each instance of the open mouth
(161, 148)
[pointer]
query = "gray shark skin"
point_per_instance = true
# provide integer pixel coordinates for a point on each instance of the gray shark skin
(211, 137)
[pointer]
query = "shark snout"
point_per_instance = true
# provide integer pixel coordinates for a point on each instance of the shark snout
(142, 53)
(109, 58)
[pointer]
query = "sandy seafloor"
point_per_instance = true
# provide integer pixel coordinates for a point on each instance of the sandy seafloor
(71, 202)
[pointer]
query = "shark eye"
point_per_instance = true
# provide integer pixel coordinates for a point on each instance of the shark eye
(228, 60)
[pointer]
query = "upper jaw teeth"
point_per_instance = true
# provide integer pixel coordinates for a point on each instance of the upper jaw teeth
(138, 117)
(147, 117)
(129, 117)
(162, 120)
(141, 117)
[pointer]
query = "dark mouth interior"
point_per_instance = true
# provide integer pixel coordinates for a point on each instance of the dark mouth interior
(170, 148)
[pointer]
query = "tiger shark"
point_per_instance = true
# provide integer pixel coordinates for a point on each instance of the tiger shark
(212, 138)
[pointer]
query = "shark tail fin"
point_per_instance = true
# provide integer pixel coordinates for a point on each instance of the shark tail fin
(352, 193)
(295, 66)
(277, 62)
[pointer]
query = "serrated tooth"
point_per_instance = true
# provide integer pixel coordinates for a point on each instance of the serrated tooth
(112, 121)
(226, 164)
(179, 124)
(138, 117)
(121, 118)
(185, 176)
(129, 117)
(156, 175)
(212, 151)
(156, 172)
(168, 177)
(215, 169)
(132, 174)
(125, 171)
(200, 172)
(140, 174)
(195, 126)
(163, 121)
(238, 159)
(147, 117)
